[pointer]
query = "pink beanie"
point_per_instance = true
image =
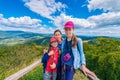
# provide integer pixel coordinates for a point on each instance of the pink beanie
(69, 24)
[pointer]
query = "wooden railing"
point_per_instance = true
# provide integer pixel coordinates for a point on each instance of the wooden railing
(90, 77)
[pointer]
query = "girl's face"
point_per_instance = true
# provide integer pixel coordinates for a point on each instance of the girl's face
(58, 35)
(69, 32)
(54, 44)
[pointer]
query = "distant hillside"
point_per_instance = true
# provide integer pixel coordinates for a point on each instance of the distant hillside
(42, 41)
(12, 34)
(20, 37)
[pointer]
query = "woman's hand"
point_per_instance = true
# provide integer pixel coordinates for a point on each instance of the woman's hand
(51, 53)
(53, 66)
(59, 40)
(87, 71)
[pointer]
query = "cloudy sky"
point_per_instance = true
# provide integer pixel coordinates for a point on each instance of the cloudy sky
(91, 17)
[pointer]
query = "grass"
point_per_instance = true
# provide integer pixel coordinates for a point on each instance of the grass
(37, 74)
(15, 58)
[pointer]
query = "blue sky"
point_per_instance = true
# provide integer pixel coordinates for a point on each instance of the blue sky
(91, 17)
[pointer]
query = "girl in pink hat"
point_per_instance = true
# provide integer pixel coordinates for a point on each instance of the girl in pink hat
(72, 54)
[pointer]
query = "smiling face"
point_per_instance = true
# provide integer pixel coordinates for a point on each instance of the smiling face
(69, 32)
(54, 44)
(58, 35)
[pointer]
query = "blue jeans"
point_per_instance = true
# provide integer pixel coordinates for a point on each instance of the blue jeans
(70, 71)
(50, 75)
(67, 72)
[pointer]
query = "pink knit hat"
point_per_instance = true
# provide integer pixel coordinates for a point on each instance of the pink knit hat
(69, 24)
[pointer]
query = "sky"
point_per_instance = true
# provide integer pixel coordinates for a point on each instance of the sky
(91, 17)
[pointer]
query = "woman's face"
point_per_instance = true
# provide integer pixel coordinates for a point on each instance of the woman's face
(58, 35)
(69, 32)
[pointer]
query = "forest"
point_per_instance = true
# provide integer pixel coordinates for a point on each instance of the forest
(102, 57)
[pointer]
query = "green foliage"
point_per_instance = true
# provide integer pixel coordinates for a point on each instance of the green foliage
(35, 74)
(103, 57)
(13, 58)
(43, 41)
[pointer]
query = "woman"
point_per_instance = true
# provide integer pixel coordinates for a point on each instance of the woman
(58, 35)
(72, 54)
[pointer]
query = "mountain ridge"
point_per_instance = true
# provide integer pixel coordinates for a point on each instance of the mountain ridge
(21, 37)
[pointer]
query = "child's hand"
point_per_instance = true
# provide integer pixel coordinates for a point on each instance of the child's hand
(45, 50)
(51, 53)
(53, 66)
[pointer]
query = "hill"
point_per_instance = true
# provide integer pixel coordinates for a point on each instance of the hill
(14, 58)
(102, 55)
(20, 37)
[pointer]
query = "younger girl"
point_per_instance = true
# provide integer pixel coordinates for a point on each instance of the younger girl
(52, 62)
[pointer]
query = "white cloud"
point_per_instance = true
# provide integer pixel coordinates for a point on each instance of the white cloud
(1, 15)
(25, 22)
(106, 19)
(101, 25)
(111, 5)
(46, 30)
(41, 29)
(112, 31)
(59, 21)
(44, 7)
(104, 24)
